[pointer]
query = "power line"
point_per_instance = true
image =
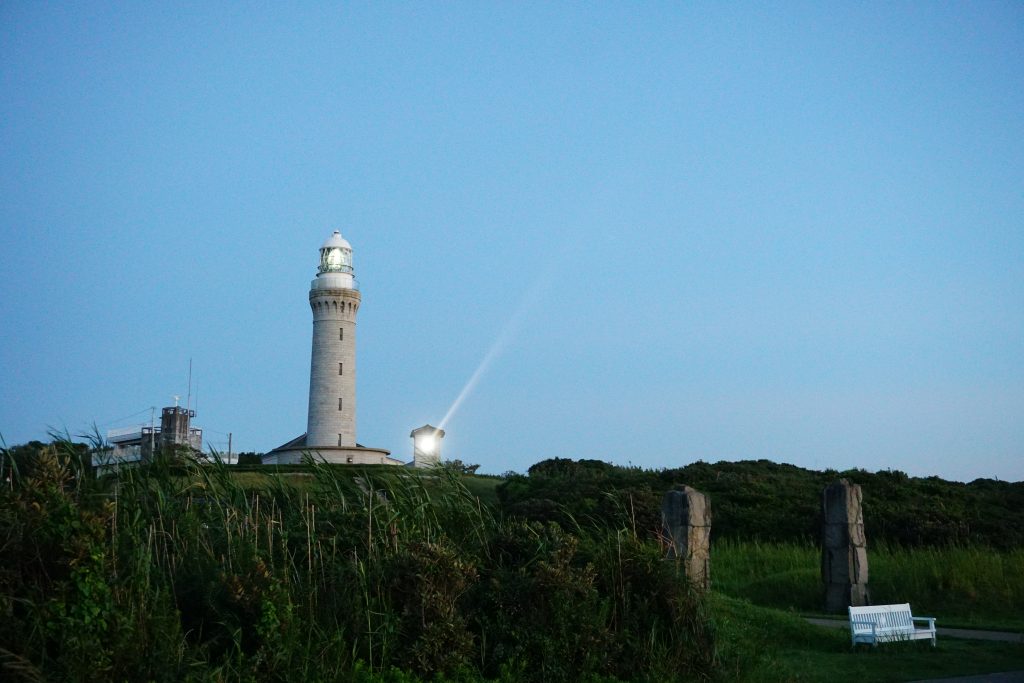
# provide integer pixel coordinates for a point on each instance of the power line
(126, 417)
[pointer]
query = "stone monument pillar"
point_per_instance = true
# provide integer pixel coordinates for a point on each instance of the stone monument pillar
(686, 524)
(844, 555)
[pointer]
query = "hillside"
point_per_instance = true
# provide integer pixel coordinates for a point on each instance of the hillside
(758, 499)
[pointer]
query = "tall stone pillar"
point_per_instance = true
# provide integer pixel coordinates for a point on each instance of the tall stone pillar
(844, 555)
(686, 523)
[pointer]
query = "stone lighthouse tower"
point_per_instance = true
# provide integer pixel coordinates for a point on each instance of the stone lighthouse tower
(331, 423)
(332, 371)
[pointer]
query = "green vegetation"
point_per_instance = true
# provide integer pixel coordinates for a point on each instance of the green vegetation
(971, 586)
(769, 645)
(187, 574)
(761, 500)
(207, 572)
(961, 586)
(484, 488)
(954, 551)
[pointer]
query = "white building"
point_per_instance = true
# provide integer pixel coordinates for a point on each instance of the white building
(331, 424)
(426, 446)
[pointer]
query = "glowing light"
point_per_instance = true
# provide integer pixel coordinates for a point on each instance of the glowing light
(427, 444)
(334, 258)
(500, 343)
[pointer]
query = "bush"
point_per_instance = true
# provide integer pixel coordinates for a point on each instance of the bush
(174, 571)
(766, 501)
(249, 459)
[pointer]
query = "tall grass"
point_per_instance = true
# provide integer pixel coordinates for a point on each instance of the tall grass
(186, 572)
(973, 585)
(770, 574)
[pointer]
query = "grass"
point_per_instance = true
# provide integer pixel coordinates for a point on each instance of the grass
(780, 575)
(778, 646)
(338, 573)
(961, 587)
(199, 572)
(973, 587)
(484, 488)
(300, 477)
(267, 480)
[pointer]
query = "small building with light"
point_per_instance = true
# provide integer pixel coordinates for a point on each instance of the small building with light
(426, 446)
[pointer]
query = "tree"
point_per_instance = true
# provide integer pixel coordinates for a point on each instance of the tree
(460, 467)
(249, 458)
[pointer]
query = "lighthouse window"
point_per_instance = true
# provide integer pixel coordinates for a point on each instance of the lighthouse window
(341, 334)
(340, 368)
(339, 404)
(339, 439)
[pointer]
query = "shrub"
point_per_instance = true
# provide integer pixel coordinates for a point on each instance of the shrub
(175, 571)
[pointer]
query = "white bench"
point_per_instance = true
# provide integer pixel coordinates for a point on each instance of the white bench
(885, 623)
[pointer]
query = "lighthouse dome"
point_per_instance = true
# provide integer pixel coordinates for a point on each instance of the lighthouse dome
(336, 240)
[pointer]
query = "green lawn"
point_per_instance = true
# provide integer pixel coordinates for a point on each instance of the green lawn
(760, 644)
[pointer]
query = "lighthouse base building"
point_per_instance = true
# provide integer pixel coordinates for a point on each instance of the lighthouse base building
(296, 451)
(331, 424)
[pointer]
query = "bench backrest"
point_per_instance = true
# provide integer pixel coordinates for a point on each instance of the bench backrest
(895, 617)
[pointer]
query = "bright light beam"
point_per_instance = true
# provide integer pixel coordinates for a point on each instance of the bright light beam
(531, 297)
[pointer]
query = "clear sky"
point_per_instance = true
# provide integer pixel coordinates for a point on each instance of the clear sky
(717, 231)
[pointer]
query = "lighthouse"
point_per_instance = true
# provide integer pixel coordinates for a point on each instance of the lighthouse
(334, 298)
(331, 421)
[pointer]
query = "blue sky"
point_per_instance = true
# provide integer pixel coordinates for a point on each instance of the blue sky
(791, 231)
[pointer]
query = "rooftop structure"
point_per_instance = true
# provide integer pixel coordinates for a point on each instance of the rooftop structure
(129, 445)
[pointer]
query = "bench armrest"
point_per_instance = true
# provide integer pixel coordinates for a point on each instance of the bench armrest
(930, 620)
(867, 624)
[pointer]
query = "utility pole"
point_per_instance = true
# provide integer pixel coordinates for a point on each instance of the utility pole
(229, 448)
(152, 437)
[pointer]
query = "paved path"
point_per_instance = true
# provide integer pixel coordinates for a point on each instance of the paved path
(1005, 677)
(969, 633)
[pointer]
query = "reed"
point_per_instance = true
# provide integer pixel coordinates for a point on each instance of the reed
(184, 571)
